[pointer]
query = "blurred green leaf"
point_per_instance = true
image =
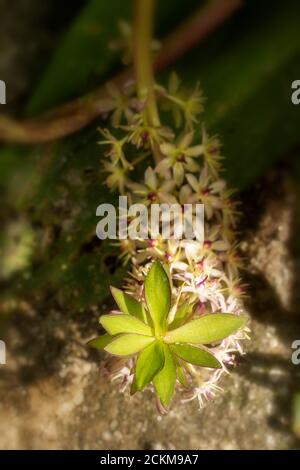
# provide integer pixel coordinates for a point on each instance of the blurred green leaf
(246, 70)
(68, 187)
(84, 57)
(84, 54)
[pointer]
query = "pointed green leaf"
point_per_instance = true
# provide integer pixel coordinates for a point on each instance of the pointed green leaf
(181, 375)
(128, 304)
(101, 341)
(207, 329)
(158, 295)
(133, 388)
(148, 364)
(196, 356)
(181, 315)
(164, 381)
(166, 267)
(126, 345)
(115, 324)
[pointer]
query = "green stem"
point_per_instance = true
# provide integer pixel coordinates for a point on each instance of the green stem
(143, 26)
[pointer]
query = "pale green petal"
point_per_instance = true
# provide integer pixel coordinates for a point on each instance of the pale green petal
(178, 173)
(186, 141)
(164, 165)
(195, 151)
(151, 178)
(167, 149)
(193, 182)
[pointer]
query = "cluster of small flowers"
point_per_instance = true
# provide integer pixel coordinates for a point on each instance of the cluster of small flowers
(176, 170)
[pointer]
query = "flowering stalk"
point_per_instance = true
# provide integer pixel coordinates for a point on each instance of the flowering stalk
(143, 60)
(180, 319)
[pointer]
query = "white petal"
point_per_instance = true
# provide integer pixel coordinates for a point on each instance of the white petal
(150, 178)
(192, 249)
(220, 245)
(138, 188)
(218, 186)
(168, 198)
(178, 173)
(195, 151)
(167, 149)
(164, 165)
(180, 265)
(186, 140)
(203, 180)
(192, 165)
(184, 194)
(208, 210)
(193, 182)
(167, 186)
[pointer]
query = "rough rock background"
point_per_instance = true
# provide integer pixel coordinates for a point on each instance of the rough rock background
(53, 392)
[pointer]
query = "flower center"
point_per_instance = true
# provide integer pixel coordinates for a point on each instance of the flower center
(152, 196)
(181, 158)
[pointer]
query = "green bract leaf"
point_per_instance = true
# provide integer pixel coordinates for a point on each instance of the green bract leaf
(148, 364)
(126, 345)
(128, 304)
(208, 329)
(164, 381)
(166, 267)
(115, 324)
(158, 295)
(101, 341)
(133, 388)
(196, 356)
(181, 315)
(181, 375)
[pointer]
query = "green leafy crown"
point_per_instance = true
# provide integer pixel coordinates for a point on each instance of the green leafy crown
(164, 347)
